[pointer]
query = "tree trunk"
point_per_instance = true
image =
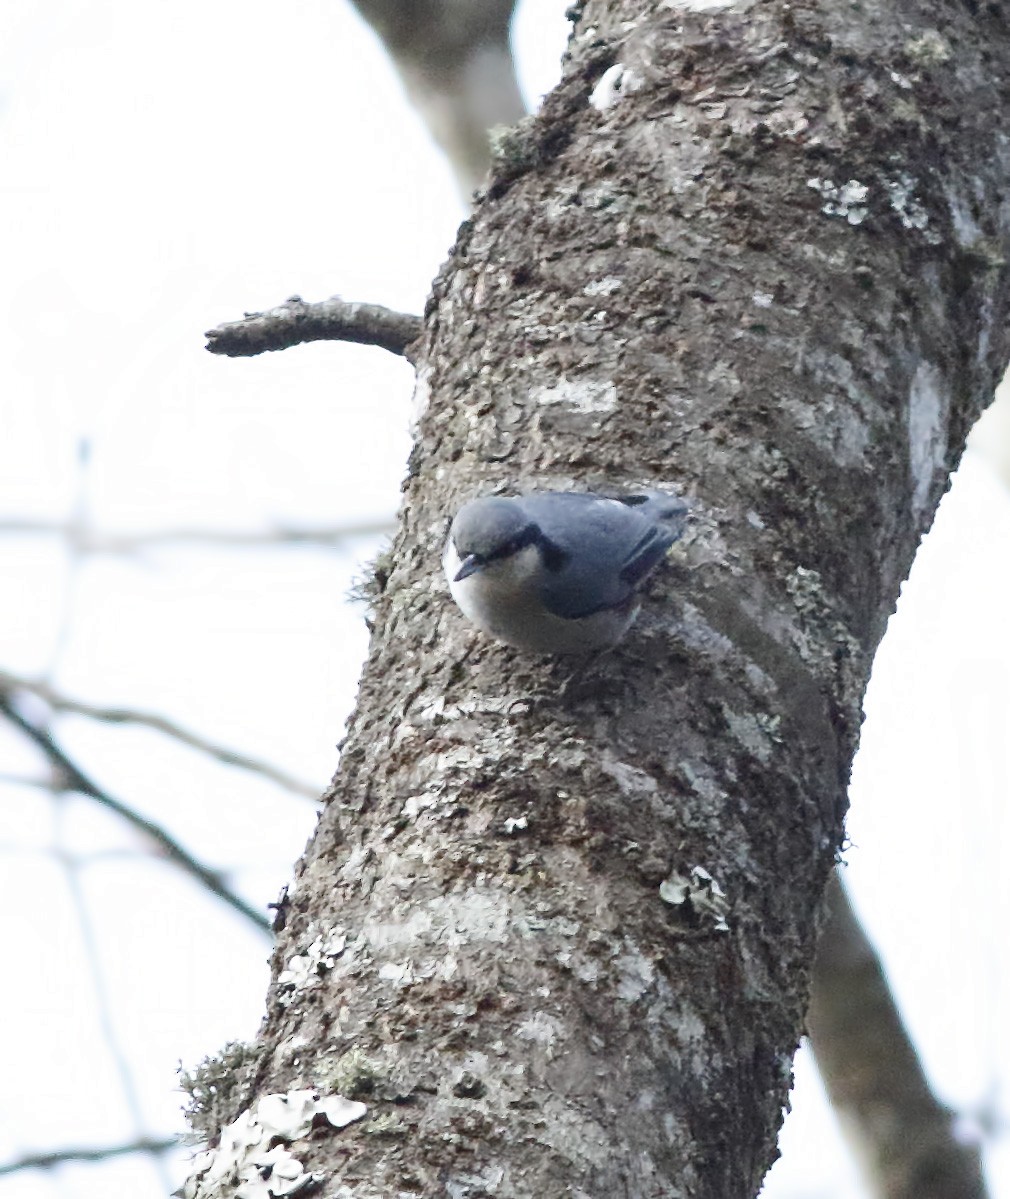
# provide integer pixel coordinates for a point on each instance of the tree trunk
(556, 941)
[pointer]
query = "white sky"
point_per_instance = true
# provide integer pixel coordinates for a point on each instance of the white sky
(167, 166)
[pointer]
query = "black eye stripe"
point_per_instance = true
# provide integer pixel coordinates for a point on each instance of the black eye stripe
(554, 557)
(522, 539)
(506, 550)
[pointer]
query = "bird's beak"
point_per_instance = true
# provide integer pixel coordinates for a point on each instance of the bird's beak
(470, 565)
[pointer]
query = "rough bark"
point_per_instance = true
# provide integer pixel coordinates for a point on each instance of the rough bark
(559, 944)
(903, 1135)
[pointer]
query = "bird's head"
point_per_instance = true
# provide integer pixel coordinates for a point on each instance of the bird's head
(487, 531)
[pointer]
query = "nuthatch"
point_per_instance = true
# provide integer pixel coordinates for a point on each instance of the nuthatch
(558, 572)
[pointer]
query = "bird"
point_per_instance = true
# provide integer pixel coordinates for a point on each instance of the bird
(558, 572)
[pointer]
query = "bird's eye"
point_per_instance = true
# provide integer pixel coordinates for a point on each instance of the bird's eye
(520, 542)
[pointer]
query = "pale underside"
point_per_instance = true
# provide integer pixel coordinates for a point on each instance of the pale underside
(503, 600)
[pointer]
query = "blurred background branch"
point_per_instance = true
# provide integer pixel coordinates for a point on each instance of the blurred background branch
(87, 1153)
(86, 540)
(902, 1135)
(70, 777)
(229, 757)
(454, 58)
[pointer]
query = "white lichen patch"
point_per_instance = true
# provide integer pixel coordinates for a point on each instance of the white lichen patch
(446, 921)
(414, 805)
(486, 744)
(806, 588)
(699, 896)
(465, 1186)
(846, 200)
(635, 975)
(252, 1159)
(586, 969)
(695, 630)
(464, 759)
(630, 779)
(699, 5)
(901, 193)
(399, 973)
(406, 974)
(615, 82)
(541, 1028)
(750, 733)
(306, 970)
(759, 680)
(927, 416)
(602, 287)
(580, 395)
(359, 1191)
(437, 711)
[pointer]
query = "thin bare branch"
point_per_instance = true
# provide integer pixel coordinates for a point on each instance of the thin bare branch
(74, 779)
(110, 1027)
(873, 1076)
(23, 780)
(161, 724)
(87, 540)
(91, 1153)
(296, 321)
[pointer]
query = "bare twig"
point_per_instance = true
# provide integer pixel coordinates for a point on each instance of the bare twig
(151, 720)
(87, 540)
(873, 1076)
(92, 1153)
(295, 322)
(74, 779)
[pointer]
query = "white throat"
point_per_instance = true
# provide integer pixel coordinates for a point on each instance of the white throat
(490, 594)
(503, 599)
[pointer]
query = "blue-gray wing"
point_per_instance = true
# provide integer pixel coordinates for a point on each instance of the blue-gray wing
(647, 554)
(601, 550)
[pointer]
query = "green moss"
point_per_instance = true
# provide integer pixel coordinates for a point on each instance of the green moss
(352, 1075)
(386, 1126)
(216, 1088)
(515, 149)
(368, 587)
(929, 49)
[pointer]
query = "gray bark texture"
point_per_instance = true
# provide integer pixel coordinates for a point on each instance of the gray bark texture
(557, 939)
